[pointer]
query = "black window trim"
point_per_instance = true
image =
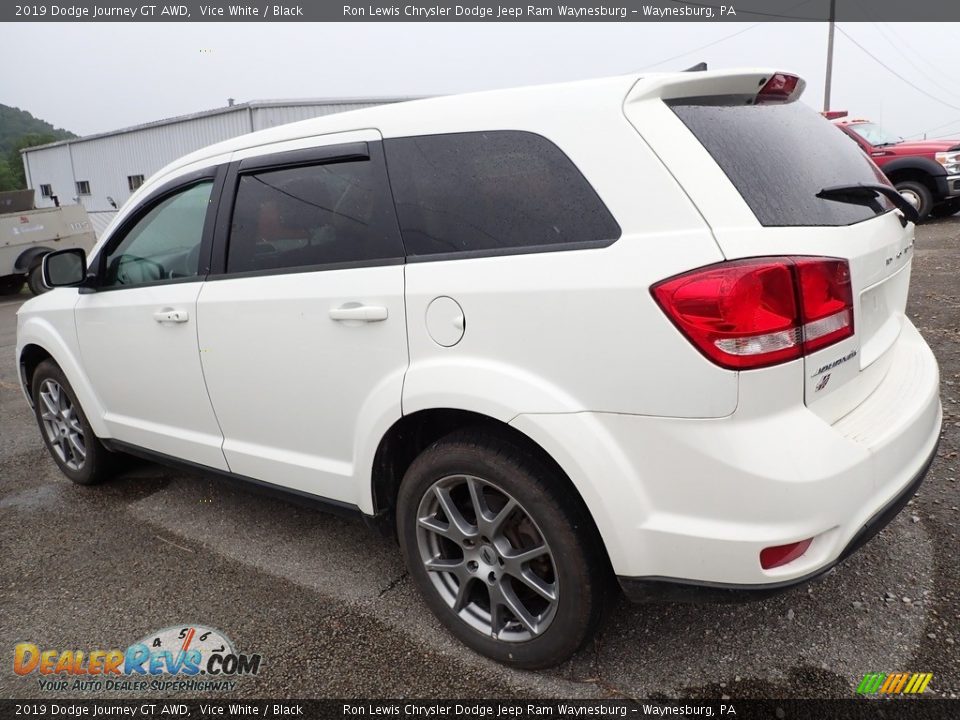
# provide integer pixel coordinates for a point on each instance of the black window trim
(322, 155)
(217, 174)
(519, 250)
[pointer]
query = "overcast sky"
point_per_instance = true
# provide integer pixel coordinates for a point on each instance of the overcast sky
(93, 77)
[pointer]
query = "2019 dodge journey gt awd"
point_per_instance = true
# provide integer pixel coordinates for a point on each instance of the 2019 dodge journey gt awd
(646, 327)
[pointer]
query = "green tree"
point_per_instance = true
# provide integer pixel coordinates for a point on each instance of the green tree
(19, 129)
(14, 161)
(8, 178)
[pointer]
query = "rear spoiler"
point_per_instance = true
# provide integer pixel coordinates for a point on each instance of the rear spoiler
(720, 87)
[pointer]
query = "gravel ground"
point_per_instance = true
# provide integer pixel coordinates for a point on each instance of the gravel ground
(328, 604)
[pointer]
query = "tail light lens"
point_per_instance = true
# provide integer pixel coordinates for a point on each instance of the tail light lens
(754, 313)
(778, 89)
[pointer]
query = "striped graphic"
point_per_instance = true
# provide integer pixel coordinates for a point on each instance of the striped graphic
(894, 683)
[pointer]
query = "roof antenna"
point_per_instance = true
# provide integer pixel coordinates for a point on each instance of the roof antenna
(699, 67)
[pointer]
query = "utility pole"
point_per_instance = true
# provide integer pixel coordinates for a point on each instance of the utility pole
(829, 78)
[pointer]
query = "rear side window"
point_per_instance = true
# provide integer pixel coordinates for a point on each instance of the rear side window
(295, 217)
(780, 156)
(492, 193)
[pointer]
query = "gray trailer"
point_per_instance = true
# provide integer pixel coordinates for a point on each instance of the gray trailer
(27, 234)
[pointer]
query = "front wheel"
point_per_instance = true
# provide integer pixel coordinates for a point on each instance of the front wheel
(946, 209)
(35, 281)
(501, 553)
(919, 196)
(65, 430)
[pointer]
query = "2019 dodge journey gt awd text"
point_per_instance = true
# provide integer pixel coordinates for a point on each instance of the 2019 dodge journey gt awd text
(650, 327)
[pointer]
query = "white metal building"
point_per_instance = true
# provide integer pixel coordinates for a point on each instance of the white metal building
(101, 171)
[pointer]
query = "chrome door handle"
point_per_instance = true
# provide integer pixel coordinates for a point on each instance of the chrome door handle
(361, 313)
(169, 315)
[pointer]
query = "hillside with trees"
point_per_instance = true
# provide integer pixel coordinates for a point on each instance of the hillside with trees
(20, 129)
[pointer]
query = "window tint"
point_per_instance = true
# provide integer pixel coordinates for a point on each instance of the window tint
(164, 244)
(491, 191)
(316, 215)
(780, 156)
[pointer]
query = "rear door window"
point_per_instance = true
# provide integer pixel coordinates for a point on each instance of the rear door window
(780, 156)
(492, 193)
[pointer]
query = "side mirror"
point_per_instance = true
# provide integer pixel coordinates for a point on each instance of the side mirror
(65, 268)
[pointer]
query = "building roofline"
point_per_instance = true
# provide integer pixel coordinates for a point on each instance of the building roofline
(250, 105)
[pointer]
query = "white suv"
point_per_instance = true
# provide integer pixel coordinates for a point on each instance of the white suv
(645, 327)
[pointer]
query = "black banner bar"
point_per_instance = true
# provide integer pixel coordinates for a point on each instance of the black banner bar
(853, 709)
(469, 11)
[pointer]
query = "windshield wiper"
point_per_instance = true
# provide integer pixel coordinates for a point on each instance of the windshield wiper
(866, 194)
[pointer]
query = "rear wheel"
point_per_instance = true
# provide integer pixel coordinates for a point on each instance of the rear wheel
(35, 280)
(498, 550)
(919, 196)
(65, 430)
(11, 285)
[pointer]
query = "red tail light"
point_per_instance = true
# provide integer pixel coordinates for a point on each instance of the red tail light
(759, 312)
(778, 88)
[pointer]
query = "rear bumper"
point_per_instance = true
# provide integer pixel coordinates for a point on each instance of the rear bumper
(654, 589)
(693, 502)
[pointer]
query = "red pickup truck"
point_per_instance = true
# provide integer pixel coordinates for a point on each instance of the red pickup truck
(927, 172)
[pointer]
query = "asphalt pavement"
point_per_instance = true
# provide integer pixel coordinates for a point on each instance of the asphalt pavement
(329, 606)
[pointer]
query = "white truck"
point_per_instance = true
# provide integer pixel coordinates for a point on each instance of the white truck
(27, 234)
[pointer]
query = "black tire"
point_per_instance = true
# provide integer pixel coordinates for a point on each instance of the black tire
(946, 209)
(922, 195)
(35, 280)
(97, 460)
(11, 285)
(575, 560)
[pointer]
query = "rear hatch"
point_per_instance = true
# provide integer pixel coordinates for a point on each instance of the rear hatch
(754, 163)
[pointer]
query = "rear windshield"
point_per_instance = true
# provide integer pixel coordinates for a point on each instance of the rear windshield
(780, 156)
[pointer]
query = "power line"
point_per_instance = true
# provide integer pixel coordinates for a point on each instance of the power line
(896, 74)
(937, 127)
(902, 43)
(702, 47)
(725, 37)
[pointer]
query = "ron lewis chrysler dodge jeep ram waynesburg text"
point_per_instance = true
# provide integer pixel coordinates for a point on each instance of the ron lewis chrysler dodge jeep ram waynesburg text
(645, 327)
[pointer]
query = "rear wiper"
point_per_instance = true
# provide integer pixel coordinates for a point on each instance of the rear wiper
(866, 194)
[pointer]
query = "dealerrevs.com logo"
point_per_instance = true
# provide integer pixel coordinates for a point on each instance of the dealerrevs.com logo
(186, 657)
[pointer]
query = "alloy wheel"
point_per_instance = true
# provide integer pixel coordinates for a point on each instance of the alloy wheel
(486, 557)
(62, 425)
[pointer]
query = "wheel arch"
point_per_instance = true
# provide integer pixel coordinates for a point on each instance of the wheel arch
(29, 258)
(413, 433)
(38, 341)
(918, 169)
